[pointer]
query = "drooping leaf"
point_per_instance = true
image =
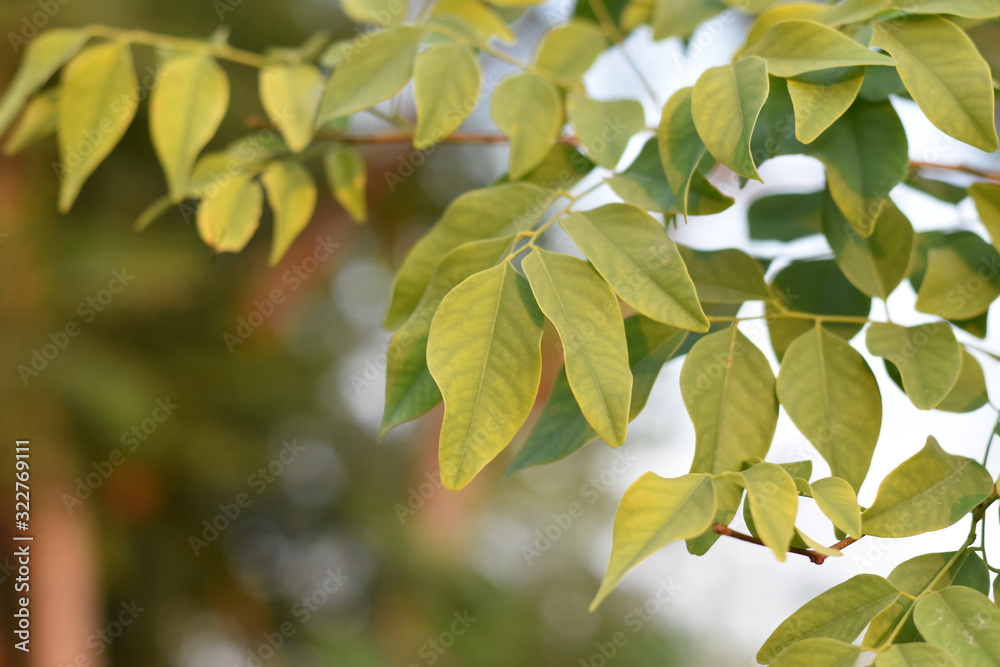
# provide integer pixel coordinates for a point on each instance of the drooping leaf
(773, 501)
(632, 251)
(495, 211)
(478, 19)
(987, 199)
(840, 613)
(818, 106)
(837, 499)
(291, 192)
(865, 154)
(410, 391)
(484, 353)
(818, 652)
(528, 110)
(728, 390)
(229, 216)
(969, 392)
(43, 56)
(375, 68)
(446, 85)
(943, 71)
(876, 264)
(291, 95)
(928, 358)
(39, 120)
(929, 491)
(585, 312)
(796, 46)
(681, 151)
(916, 655)
(725, 276)
(98, 101)
(562, 429)
(604, 128)
(725, 104)
(568, 51)
(347, 174)
(653, 513)
(785, 217)
(185, 109)
(963, 622)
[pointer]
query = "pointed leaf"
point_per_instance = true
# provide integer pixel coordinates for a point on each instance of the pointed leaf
(962, 277)
(681, 17)
(928, 358)
(969, 392)
(291, 96)
(484, 352)
(604, 128)
(653, 513)
(528, 110)
(837, 499)
(481, 21)
(774, 501)
(291, 192)
(585, 312)
(795, 47)
(818, 106)
(929, 491)
(963, 622)
(446, 85)
(39, 120)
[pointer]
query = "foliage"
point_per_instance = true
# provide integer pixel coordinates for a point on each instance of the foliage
(471, 298)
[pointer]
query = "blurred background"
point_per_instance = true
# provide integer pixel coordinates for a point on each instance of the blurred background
(198, 503)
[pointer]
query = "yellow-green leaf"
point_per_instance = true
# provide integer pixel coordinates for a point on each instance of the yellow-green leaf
(916, 655)
(481, 21)
(653, 513)
(291, 192)
(604, 128)
(929, 491)
(963, 622)
(838, 501)
(681, 17)
(943, 71)
(375, 67)
(528, 110)
(229, 216)
(446, 86)
(347, 175)
(987, 199)
(728, 390)
(840, 613)
(585, 312)
(185, 109)
(725, 104)
(43, 56)
(383, 13)
(818, 652)
(484, 352)
(40, 119)
(928, 358)
(99, 98)
(969, 392)
(568, 51)
(961, 280)
(774, 501)
(632, 251)
(290, 95)
(725, 276)
(833, 399)
(973, 9)
(797, 46)
(818, 106)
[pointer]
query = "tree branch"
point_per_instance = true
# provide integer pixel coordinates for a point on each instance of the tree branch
(814, 556)
(991, 175)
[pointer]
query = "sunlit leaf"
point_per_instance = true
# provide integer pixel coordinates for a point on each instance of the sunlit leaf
(528, 110)
(291, 96)
(725, 276)
(229, 216)
(291, 192)
(963, 622)
(566, 52)
(39, 120)
(446, 84)
(795, 47)
(818, 652)
(604, 128)
(928, 358)
(818, 106)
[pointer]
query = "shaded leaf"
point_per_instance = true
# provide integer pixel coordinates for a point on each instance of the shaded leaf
(528, 111)
(604, 128)
(725, 276)
(39, 120)
(969, 392)
(785, 217)
(928, 358)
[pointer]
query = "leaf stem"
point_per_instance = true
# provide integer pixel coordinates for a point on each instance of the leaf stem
(791, 314)
(221, 51)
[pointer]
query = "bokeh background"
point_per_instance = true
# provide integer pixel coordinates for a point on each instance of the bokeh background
(349, 552)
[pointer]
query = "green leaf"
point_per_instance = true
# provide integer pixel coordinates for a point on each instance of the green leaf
(973, 9)
(727, 500)
(785, 217)
(681, 151)
(929, 491)
(291, 95)
(818, 652)
(943, 71)
(818, 106)
(928, 358)
(568, 51)
(837, 499)
(347, 175)
(840, 613)
(229, 216)
(98, 101)
(484, 352)
(962, 278)
(963, 622)
(876, 264)
(653, 513)
(817, 287)
(39, 120)
(987, 199)
(725, 104)
(528, 111)
(291, 192)
(43, 56)
(478, 19)
(375, 68)
(604, 128)
(681, 17)
(969, 392)
(915, 655)
(795, 47)
(913, 577)
(865, 154)
(585, 312)
(773, 135)
(383, 13)
(491, 212)
(774, 502)
(563, 167)
(410, 391)
(632, 251)
(562, 429)
(185, 109)
(725, 276)
(152, 212)
(728, 390)
(446, 85)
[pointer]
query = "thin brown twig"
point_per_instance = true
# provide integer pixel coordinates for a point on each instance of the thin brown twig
(991, 175)
(814, 556)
